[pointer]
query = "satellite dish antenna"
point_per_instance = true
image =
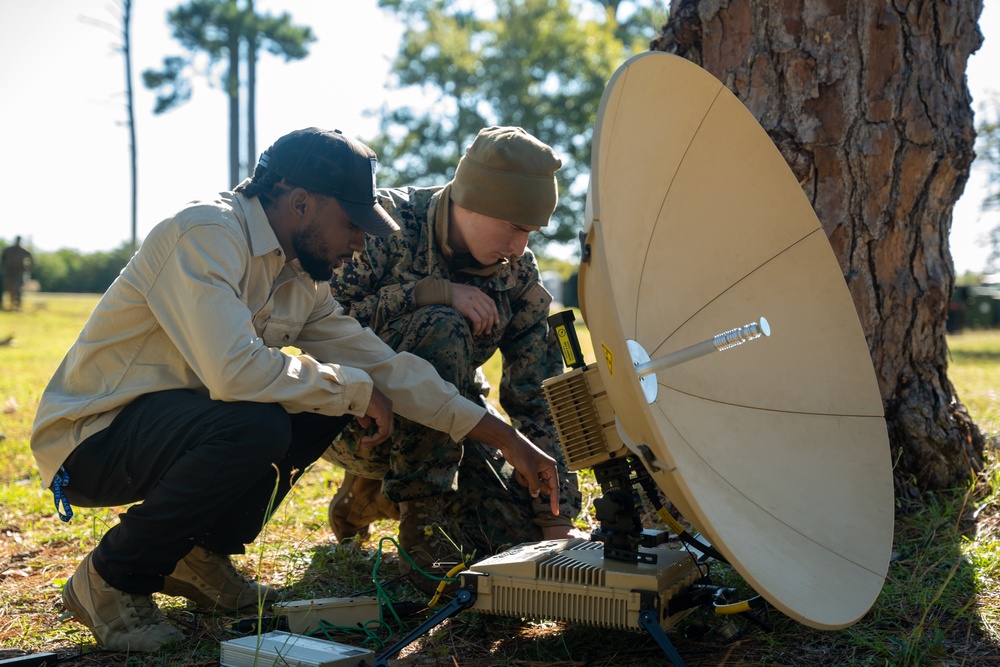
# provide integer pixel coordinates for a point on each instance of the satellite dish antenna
(776, 452)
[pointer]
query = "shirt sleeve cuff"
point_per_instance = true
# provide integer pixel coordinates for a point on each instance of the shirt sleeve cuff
(357, 390)
(430, 290)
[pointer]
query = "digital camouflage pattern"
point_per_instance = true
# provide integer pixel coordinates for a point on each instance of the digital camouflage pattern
(378, 290)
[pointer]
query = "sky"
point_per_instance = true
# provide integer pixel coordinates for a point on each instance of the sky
(62, 81)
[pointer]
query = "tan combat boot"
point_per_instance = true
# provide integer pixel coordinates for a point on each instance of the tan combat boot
(429, 533)
(359, 502)
(211, 581)
(120, 621)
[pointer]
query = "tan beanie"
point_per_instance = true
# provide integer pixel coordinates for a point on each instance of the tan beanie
(508, 174)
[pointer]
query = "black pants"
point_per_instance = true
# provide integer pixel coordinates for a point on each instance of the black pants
(204, 470)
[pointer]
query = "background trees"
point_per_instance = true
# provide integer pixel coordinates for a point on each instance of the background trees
(228, 33)
(74, 272)
(867, 101)
(539, 64)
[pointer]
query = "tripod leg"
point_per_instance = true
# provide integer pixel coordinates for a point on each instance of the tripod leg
(648, 620)
(463, 599)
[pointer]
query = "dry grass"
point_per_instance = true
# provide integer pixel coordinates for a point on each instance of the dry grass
(940, 606)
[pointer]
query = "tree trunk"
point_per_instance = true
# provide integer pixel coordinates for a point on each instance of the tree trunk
(867, 101)
(233, 90)
(251, 90)
(130, 113)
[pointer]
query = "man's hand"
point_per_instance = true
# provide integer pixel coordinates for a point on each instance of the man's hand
(476, 306)
(534, 468)
(379, 412)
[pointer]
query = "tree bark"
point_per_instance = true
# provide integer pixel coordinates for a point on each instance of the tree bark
(868, 102)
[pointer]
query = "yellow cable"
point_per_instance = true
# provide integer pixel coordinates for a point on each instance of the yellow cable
(735, 608)
(671, 522)
(440, 587)
(739, 607)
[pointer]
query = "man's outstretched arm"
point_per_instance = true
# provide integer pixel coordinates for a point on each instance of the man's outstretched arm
(535, 469)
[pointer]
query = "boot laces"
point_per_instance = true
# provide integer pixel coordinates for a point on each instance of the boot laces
(232, 574)
(142, 609)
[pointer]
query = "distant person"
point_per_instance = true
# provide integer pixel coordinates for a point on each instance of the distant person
(454, 285)
(179, 392)
(16, 261)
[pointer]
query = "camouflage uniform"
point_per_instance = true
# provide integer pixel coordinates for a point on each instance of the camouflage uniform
(491, 508)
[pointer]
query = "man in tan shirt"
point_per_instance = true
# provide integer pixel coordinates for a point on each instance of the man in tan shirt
(179, 393)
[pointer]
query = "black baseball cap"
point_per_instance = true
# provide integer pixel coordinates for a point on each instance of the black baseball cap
(331, 164)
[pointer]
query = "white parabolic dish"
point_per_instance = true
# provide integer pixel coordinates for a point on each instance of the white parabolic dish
(776, 451)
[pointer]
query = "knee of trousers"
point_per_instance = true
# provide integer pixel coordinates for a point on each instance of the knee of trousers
(262, 431)
(441, 335)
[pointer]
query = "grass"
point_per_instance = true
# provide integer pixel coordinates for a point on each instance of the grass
(940, 604)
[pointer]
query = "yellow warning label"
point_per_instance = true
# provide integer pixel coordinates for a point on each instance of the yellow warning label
(609, 359)
(567, 346)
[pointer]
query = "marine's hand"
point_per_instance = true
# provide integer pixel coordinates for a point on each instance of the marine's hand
(476, 307)
(534, 468)
(378, 412)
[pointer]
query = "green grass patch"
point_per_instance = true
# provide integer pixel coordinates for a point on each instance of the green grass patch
(975, 372)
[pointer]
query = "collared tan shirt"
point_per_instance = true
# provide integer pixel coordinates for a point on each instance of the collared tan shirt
(207, 304)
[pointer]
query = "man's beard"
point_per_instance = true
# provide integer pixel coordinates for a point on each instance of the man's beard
(311, 251)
